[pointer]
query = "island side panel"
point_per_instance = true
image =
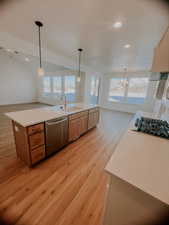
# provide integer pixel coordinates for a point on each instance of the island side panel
(21, 143)
(128, 205)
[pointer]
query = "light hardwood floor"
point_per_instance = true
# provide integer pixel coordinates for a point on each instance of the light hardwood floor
(69, 188)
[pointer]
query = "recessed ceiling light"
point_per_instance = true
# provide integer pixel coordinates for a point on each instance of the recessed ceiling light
(118, 24)
(8, 50)
(27, 59)
(127, 46)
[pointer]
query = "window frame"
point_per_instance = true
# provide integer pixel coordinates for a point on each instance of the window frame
(94, 98)
(96, 86)
(50, 86)
(128, 78)
(54, 94)
(75, 94)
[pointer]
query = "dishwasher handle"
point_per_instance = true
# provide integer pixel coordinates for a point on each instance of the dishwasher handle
(54, 123)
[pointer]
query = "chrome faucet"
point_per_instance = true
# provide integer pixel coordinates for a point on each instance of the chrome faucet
(65, 101)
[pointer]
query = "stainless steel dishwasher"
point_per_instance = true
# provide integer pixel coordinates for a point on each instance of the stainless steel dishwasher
(56, 134)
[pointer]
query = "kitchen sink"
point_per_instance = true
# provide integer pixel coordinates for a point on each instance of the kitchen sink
(73, 109)
(69, 109)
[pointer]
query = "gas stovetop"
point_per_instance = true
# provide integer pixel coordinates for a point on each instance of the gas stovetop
(153, 126)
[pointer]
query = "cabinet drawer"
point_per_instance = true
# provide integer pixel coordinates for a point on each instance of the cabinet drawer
(38, 154)
(36, 140)
(35, 129)
(78, 115)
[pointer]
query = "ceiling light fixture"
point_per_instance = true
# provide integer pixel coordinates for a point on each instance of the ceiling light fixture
(27, 59)
(127, 46)
(40, 69)
(118, 24)
(8, 50)
(79, 72)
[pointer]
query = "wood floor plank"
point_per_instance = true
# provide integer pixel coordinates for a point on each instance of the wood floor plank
(70, 187)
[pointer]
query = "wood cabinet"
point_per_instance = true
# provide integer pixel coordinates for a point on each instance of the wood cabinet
(93, 118)
(74, 129)
(32, 145)
(77, 125)
(35, 128)
(161, 55)
(38, 154)
(30, 142)
(83, 124)
(36, 140)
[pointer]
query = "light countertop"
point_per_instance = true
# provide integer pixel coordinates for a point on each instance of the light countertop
(35, 116)
(143, 161)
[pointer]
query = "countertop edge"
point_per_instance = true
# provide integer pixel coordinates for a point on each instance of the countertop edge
(8, 114)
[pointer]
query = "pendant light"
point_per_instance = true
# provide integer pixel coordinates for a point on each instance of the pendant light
(40, 69)
(79, 72)
(125, 77)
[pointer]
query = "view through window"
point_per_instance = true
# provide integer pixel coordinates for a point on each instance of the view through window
(46, 85)
(117, 89)
(59, 85)
(137, 90)
(70, 87)
(129, 90)
(94, 90)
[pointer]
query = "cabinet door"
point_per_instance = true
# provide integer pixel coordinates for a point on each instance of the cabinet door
(96, 117)
(93, 119)
(91, 122)
(83, 124)
(74, 129)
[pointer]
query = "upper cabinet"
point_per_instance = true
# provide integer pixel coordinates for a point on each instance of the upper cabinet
(161, 55)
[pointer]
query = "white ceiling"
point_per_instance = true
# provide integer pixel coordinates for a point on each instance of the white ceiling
(70, 24)
(33, 62)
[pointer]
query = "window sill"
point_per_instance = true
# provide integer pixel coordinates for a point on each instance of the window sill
(126, 103)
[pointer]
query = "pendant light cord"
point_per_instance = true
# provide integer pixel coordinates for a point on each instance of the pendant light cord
(79, 61)
(80, 51)
(40, 48)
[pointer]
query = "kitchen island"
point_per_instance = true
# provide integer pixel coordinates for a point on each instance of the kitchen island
(139, 179)
(41, 132)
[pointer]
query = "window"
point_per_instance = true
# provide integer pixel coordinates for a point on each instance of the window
(70, 87)
(137, 90)
(117, 89)
(57, 85)
(94, 89)
(128, 90)
(46, 85)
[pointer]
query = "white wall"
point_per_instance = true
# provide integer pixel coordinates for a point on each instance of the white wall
(17, 81)
(149, 101)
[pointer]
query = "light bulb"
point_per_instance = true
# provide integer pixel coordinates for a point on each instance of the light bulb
(127, 46)
(41, 71)
(27, 59)
(117, 24)
(78, 79)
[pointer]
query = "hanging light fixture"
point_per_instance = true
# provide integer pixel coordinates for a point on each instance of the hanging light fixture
(79, 72)
(40, 69)
(125, 77)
